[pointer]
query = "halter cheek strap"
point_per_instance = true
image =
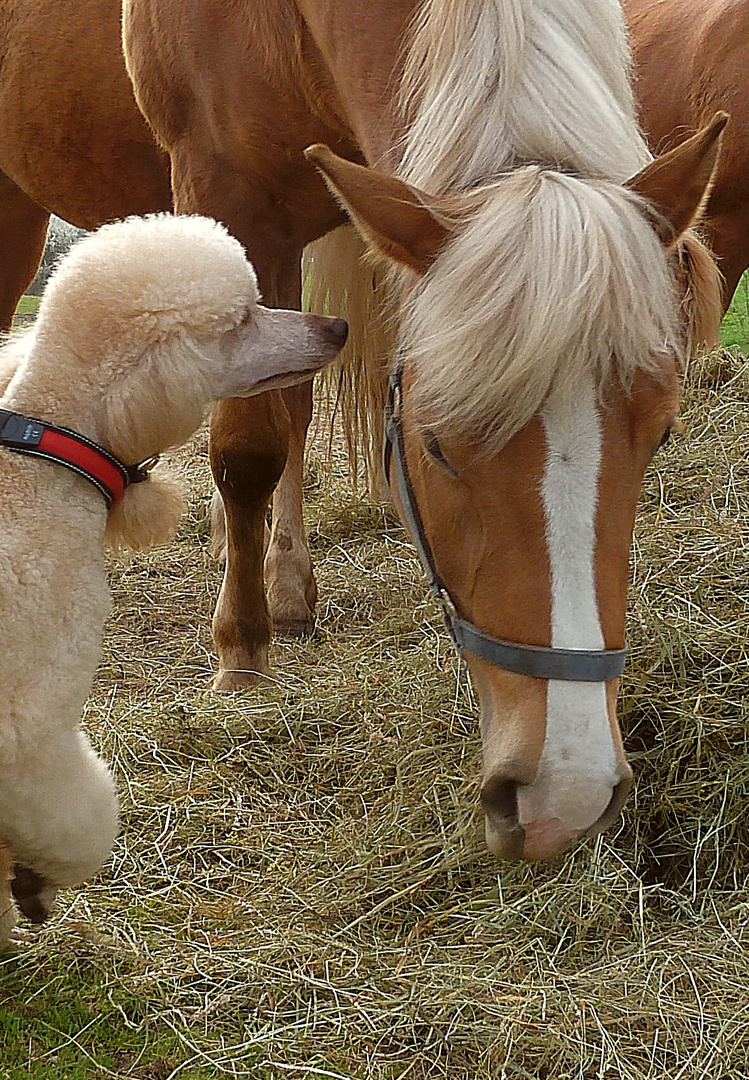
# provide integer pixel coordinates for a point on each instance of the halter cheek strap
(110, 476)
(569, 665)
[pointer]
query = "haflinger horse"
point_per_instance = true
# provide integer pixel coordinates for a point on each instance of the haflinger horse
(547, 286)
(691, 58)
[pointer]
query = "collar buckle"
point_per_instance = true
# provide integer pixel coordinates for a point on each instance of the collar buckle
(136, 474)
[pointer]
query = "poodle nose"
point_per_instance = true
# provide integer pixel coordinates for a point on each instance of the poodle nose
(337, 329)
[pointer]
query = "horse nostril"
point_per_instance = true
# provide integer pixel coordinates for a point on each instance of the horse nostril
(499, 796)
(504, 833)
(338, 329)
(616, 804)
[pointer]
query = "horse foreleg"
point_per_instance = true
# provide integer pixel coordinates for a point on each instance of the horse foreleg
(292, 592)
(252, 438)
(23, 235)
(248, 449)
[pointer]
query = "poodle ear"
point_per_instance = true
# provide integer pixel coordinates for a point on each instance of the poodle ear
(148, 513)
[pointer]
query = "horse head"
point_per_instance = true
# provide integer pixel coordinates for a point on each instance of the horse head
(542, 344)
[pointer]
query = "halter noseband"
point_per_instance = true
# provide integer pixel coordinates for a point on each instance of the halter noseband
(110, 476)
(570, 665)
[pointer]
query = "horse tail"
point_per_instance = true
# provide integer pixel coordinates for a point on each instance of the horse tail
(703, 301)
(339, 279)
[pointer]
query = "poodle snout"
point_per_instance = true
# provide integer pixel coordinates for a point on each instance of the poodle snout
(33, 893)
(337, 331)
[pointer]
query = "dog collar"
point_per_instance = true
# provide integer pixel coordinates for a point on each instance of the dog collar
(110, 476)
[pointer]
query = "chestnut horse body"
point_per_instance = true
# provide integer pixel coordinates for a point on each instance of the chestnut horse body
(691, 58)
(488, 151)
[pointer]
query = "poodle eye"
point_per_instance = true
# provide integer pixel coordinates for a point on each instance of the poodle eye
(433, 448)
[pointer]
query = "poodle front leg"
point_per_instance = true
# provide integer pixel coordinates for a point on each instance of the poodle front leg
(248, 449)
(292, 592)
(7, 910)
(59, 816)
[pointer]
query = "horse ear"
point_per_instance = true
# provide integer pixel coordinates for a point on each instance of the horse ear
(401, 222)
(678, 183)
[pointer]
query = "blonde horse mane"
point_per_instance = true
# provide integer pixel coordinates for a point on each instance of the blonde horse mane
(489, 84)
(561, 249)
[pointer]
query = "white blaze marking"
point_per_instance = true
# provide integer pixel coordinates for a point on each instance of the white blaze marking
(577, 771)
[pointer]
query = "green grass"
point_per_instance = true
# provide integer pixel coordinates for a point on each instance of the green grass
(28, 305)
(734, 333)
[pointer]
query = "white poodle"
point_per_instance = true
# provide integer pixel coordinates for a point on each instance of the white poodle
(144, 324)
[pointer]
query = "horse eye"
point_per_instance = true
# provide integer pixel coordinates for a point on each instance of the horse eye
(433, 448)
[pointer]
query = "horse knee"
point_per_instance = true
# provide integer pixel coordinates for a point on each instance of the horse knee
(247, 477)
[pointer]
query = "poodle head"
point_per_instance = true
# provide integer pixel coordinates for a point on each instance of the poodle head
(148, 321)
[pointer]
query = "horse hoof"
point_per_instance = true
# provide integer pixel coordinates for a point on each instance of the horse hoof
(229, 680)
(33, 893)
(294, 628)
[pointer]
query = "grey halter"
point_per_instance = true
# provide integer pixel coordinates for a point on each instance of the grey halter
(570, 665)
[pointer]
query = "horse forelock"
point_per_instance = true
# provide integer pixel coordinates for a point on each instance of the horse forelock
(559, 273)
(552, 280)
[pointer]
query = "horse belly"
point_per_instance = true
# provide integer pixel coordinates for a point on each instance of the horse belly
(71, 135)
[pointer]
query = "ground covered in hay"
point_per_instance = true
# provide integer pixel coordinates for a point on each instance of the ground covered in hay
(301, 888)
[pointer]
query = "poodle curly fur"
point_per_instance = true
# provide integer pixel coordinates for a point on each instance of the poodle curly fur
(144, 324)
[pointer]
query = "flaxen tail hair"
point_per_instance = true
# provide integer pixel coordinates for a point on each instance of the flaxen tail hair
(703, 298)
(340, 279)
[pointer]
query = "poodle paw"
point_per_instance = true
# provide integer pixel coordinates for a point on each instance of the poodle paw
(33, 893)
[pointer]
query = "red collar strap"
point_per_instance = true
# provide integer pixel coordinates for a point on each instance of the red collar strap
(25, 435)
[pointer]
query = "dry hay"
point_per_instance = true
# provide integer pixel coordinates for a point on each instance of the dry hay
(301, 887)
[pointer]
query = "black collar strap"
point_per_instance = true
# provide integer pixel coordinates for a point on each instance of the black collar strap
(26, 435)
(570, 665)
